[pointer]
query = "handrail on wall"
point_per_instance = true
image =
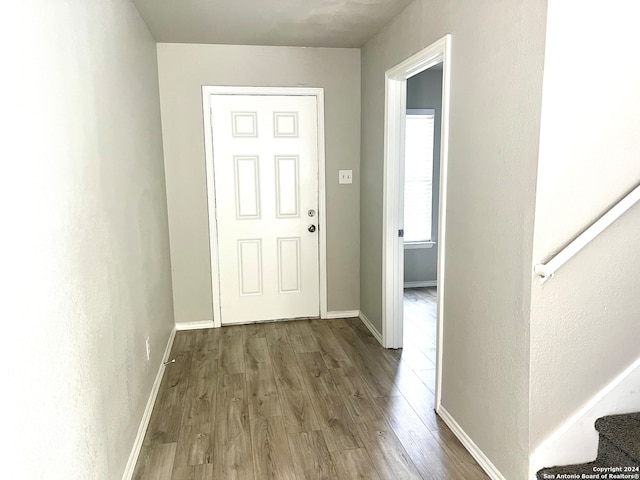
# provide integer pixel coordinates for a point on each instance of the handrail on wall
(547, 270)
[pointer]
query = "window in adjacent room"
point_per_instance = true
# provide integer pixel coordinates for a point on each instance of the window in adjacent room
(418, 176)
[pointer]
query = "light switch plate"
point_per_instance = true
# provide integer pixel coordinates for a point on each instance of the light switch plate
(345, 176)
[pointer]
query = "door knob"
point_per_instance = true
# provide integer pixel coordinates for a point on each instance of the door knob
(312, 228)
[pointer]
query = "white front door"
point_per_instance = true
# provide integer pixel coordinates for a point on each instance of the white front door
(265, 157)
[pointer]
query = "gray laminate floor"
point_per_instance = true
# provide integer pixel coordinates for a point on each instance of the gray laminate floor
(315, 399)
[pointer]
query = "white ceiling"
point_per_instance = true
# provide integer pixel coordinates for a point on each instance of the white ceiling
(303, 23)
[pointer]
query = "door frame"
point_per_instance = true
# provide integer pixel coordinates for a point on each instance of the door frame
(393, 189)
(207, 91)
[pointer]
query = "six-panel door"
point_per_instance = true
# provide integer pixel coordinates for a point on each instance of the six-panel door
(265, 157)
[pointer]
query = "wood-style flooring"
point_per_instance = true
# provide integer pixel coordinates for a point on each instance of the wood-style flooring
(318, 399)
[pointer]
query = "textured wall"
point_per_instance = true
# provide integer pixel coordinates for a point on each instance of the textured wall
(585, 321)
(496, 86)
(183, 70)
(85, 270)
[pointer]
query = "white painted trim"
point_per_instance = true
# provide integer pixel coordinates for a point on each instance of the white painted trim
(146, 416)
(423, 283)
(342, 314)
(442, 214)
(372, 329)
(470, 445)
(621, 395)
(392, 214)
(415, 245)
(322, 204)
(207, 91)
(194, 325)
(548, 269)
(393, 253)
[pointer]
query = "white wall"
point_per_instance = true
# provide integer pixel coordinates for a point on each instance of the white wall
(584, 321)
(496, 84)
(183, 69)
(85, 250)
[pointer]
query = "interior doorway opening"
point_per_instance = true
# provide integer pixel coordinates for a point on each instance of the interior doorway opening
(421, 169)
(394, 220)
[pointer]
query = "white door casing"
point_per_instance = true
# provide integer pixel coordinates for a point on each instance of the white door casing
(392, 245)
(263, 163)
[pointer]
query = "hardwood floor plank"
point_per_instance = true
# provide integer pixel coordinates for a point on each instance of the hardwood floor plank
(270, 445)
(166, 418)
(299, 415)
(200, 397)
(332, 354)
(386, 361)
(256, 350)
(256, 329)
(232, 340)
(387, 454)
(233, 457)
(193, 472)
(354, 465)
(337, 425)
(428, 378)
(430, 460)
(262, 390)
(336, 322)
(379, 384)
(362, 331)
(155, 462)
(462, 459)
(419, 397)
(413, 357)
(420, 316)
(195, 445)
(353, 391)
(311, 456)
(206, 344)
(261, 383)
(184, 341)
(301, 337)
(276, 332)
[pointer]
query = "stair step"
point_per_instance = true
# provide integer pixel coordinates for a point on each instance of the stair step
(559, 472)
(610, 454)
(621, 432)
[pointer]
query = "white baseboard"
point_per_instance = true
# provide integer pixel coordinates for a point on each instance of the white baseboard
(576, 440)
(371, 328)
(146, 416)
(194, 325)
(342, 314)
(425, 283)
(470, 445)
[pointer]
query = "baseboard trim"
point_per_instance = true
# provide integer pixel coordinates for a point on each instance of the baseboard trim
(194, 325)
(146, 416)
(426, 283)
(470, 445)
(342, 314)
(372, 329)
